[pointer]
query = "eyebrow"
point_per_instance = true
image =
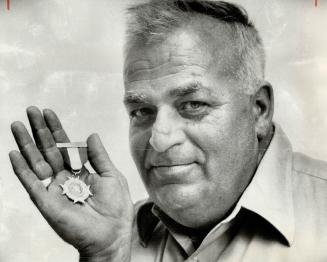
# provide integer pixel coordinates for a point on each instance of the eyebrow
(188, 89)
(134, 97)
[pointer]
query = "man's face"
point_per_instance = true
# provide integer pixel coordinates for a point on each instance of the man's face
(192, 131)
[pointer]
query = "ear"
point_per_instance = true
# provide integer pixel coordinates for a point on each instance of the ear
(263, 109)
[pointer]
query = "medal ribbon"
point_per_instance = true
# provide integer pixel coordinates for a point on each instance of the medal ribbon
(77, 154)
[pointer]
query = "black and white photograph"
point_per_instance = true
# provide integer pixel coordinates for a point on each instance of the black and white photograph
(163, 131)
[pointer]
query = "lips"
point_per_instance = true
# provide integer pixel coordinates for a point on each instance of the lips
(168, 160)
(172, 168)
(172, 174)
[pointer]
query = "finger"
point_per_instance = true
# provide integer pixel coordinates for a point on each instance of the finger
(44, 139)
(55, 126)
(31, 183)
(30, 152)
(57, 131)
(98, 156)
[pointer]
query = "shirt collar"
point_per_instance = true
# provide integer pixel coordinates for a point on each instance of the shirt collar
(146, 221)
(269, 194)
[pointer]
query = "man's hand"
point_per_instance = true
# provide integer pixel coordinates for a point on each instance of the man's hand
(101, 228)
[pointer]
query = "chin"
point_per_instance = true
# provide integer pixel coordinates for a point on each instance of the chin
(181, 203)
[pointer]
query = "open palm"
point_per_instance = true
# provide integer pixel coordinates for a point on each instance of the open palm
(100, 226)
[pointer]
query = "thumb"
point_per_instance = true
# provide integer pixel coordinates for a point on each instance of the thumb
(98, 156)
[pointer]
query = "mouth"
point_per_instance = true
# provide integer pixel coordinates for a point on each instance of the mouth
(172, 174)
(172, 168)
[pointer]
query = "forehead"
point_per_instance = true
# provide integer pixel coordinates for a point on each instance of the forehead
(187, 54)
(179, 49)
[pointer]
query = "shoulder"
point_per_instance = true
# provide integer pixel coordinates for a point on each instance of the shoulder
(309, 178)
(306, 166)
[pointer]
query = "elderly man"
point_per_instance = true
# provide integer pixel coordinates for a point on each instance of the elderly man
(223, 182)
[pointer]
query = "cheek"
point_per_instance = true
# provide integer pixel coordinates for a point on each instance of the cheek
(138, 142)
(213, 131)
(227, 139)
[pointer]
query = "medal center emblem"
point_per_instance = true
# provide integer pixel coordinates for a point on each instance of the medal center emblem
(76, 190)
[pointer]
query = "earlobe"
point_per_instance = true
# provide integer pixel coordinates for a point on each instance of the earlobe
(263, 109)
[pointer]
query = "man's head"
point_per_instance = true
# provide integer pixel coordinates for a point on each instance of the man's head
(198, 104)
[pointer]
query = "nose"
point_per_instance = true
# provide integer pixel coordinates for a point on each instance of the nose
(166, 130)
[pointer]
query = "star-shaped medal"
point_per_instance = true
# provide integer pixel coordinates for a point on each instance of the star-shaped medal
(76, 190)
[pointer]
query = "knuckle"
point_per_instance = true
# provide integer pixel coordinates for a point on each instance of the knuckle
(26, 173)
(42, 168)
(51, 150)
(25, 147)
(60, 135)
(52, 154)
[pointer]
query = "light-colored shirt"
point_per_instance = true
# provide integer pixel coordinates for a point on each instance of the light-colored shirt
(281, 216)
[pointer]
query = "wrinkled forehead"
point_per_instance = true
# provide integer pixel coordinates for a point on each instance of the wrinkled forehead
(194, 45)
(180, 49)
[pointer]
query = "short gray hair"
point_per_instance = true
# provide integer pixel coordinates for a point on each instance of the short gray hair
(151, 22)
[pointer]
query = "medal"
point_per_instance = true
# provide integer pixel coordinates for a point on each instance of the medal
(74, 188)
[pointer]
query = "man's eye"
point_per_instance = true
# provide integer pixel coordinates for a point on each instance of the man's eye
(141, 113)
(193, 106)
